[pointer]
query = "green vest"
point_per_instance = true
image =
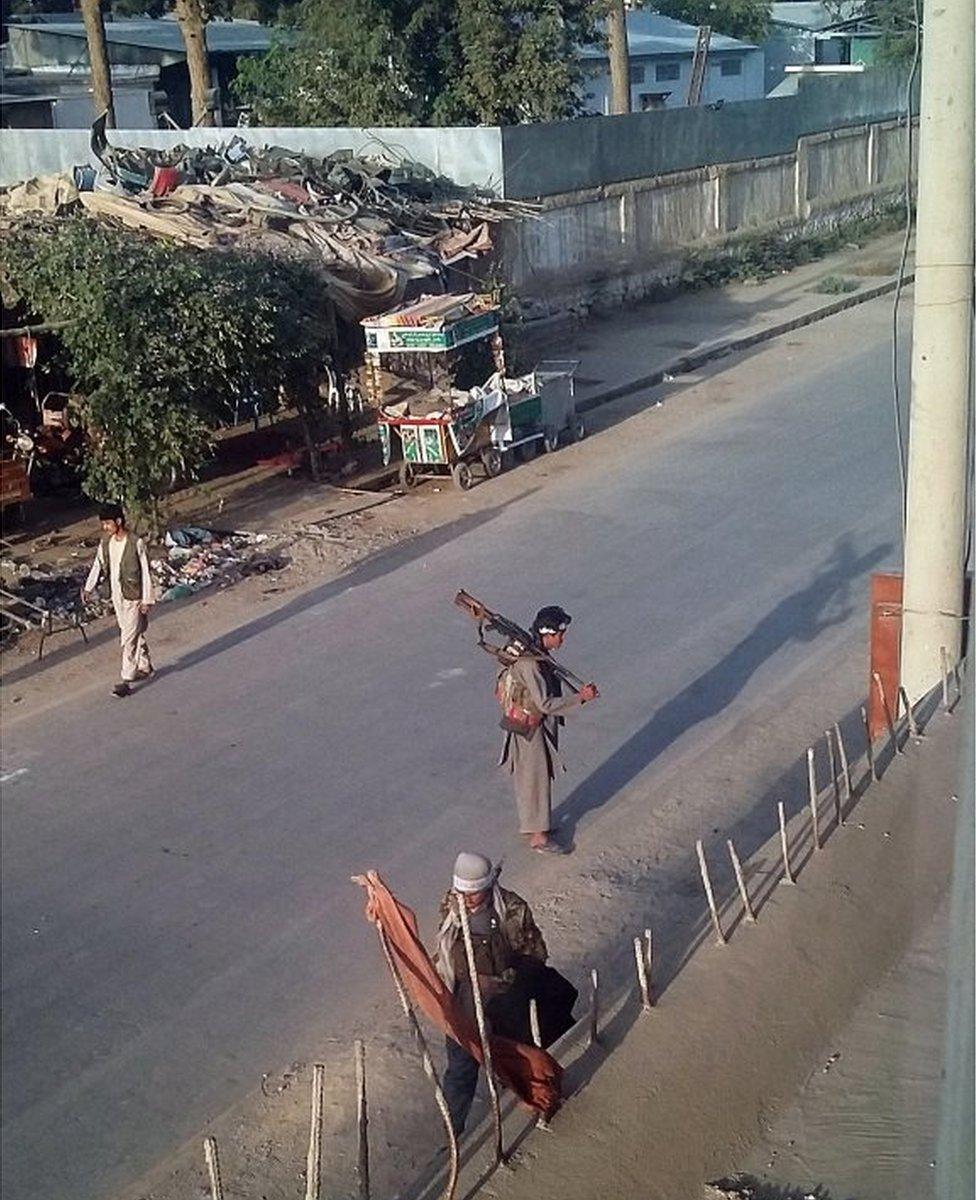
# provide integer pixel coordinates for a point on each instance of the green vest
(130, 569)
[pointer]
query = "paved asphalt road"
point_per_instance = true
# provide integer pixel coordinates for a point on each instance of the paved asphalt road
(176, 906)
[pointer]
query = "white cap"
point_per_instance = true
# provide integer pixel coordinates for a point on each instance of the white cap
(473, 873)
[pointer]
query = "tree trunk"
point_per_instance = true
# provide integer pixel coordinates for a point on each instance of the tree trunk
(101, 75)
(194, 29)
(619, 58)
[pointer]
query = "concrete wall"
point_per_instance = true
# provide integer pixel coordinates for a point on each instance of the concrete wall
(566, 156)
(619, 243)
(470, 156)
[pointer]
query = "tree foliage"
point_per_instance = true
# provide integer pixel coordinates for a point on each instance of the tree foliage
(745, 19)
(894, 18)
(417, 62)
(163, 343)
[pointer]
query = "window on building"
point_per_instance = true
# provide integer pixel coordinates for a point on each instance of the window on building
(667, 70)
(636, 73)
(731, 66)
(649, 101)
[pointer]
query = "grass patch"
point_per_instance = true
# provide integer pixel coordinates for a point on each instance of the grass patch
(836, 285)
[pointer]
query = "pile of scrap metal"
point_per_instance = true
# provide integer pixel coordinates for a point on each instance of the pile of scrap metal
(377, 231)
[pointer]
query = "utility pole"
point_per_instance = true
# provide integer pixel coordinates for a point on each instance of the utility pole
(940, 414)
(101, 73)
(619, 53)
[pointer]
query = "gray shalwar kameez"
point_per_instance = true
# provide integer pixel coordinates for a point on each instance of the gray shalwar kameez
(532, 760)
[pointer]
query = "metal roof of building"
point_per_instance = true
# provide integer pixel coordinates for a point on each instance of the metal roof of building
(223, 37)
(650, 35)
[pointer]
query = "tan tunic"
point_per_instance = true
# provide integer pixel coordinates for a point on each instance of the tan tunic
(532, 760)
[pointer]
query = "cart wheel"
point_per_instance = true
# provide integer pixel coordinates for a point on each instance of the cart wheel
(550, 439)
(493, 462)
(408, 477)
(528, 450)
(578, 429)
(461, 474)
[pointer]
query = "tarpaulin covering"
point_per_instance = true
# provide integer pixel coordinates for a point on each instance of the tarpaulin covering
(532, 1074)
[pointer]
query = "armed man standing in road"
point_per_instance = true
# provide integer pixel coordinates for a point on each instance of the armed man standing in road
(531, 695)
(510, 959)
(123, 557)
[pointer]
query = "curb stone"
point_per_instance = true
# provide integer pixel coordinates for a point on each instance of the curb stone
(686, 363)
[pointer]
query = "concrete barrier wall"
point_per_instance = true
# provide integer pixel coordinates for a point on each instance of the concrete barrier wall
(627, 240)
(567, 156)
(469, 156)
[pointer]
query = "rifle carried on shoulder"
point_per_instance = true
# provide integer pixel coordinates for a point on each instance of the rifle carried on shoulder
(519, 642)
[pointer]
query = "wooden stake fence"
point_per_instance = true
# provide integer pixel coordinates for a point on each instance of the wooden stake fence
(872, 765)
(313, 1161)
(784, 843)
(844, 765)
(362, 1121)
(835, 782)
(213, 1168)
(479, 1012)
(709, 894)
(913, 730)
(740, 880)
(594, 1006)
(641, 960)
(889, 719)
(812, 798)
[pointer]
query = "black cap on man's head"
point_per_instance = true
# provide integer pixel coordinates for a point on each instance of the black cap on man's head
(551, 619)
(111, 512)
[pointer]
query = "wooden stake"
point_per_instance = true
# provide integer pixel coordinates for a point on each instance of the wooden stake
(844, 765)
(832, 757)
(534, 1023)
(812, 796)
(649, 951)
(313, 1162)
(889, 719)
(450, 1186)
(594, 1006)
(787, 871)
(213, 1168)
(741, 881)
(641, 963)
(872, 765)
(362, 1120)
(703, 867)
(913, 729)
(479, 1012)
(944, 661)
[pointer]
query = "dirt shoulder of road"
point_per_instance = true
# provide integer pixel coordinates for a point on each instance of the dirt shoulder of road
(691, 1091)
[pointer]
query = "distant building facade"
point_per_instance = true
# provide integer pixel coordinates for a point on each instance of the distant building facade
(661, 53)
(46, 78)
(812, 33)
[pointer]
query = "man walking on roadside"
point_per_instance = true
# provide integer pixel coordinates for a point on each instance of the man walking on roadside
(122, 556)
(530, 690)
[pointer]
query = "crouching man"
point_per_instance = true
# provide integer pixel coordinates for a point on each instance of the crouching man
(510, 959)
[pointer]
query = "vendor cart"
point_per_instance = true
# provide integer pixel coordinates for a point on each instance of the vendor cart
(441, 429)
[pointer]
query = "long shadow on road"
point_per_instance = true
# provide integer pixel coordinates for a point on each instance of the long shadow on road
(800, 617)
(367, 571)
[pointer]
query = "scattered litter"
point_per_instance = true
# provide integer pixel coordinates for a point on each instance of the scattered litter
(197, 558)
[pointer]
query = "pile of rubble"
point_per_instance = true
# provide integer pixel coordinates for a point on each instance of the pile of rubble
(369, 225)
(197, 558)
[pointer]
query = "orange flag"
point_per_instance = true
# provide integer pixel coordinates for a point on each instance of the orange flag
(532, 1074)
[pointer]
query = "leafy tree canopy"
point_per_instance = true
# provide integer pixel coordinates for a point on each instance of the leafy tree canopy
(745, 19)
(163, 342)
(417, 62)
